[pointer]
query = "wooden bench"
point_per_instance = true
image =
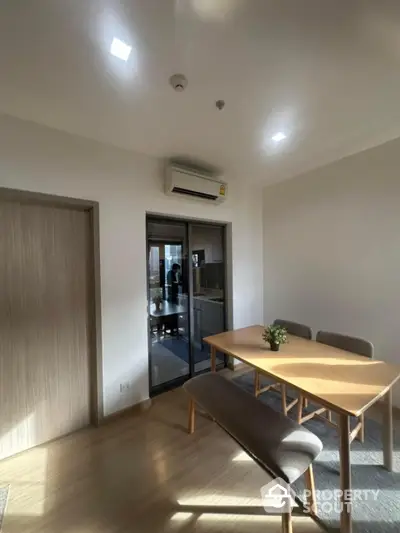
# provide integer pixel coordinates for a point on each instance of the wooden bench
(279, 445)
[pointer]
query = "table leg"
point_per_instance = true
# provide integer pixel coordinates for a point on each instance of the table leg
(283, 398)
(287, 526)
(192, 414)
(256, 383)
(300, 403)
(310, 485)
(387, 432)
(213, 359)
(345, 475)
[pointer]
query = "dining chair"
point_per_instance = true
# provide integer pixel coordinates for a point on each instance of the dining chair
(298, 330)
(349, 344)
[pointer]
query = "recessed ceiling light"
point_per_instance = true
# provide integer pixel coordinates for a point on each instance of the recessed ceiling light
(280, 136)
(120, 49)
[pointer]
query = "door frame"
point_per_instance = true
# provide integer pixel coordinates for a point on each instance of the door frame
(188, 223)
(94, 300)
(180, 380)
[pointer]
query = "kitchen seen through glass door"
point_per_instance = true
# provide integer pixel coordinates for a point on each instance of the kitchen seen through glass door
(186, 298)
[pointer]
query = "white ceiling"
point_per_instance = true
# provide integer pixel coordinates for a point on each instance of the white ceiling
(327, 73)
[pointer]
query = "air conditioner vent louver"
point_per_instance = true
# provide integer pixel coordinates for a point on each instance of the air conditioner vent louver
(180, 190)
(192, 183)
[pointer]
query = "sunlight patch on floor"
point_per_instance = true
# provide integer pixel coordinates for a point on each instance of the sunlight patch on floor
(242, 457)
(181, 517)
(218, 500)
(231, 517)
(34, 486)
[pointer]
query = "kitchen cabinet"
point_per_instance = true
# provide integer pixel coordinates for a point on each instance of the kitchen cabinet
(212, 318)
(208, 318)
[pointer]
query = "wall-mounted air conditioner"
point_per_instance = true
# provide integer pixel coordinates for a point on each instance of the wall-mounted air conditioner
(194, 184)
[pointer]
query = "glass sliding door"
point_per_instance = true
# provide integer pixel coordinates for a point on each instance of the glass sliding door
(207, 244)
(186, 298)
(169, 348)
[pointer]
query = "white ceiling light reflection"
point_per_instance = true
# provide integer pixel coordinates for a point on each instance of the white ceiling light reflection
(278, 137)
(275, 143)
(120, 49)
(280, 126)
(117, 44)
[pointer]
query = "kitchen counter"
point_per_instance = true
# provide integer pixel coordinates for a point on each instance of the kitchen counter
(210, 295)
(208, 314)
(208, 299)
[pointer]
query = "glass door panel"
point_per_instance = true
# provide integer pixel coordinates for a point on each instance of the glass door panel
(186, 298)
(208, 301)
(168, 303)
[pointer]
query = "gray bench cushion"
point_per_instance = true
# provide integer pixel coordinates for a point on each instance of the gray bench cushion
(279, 444)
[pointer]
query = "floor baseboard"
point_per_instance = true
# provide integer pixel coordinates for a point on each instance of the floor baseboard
(136, 409)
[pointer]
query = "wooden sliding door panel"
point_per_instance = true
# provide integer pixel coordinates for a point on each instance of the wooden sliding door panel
(44, 324)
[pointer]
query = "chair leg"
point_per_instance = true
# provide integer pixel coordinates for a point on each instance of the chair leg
(287, 523)
(330, 416)
(192, 412)
(300, 408)
(310, 486)
(362, 430)
(256, 383)
(283, 399)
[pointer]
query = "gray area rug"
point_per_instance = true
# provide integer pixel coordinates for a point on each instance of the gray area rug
(375, 512)
(3, 502)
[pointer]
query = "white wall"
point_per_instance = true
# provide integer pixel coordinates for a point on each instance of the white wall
(127, 185)
(332, 249)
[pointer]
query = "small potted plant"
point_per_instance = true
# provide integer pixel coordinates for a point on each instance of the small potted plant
(275, 336)
(157, 300)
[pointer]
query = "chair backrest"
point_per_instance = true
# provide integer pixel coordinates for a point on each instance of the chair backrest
(294, 328)
(344, 342)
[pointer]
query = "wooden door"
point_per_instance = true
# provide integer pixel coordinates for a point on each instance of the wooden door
(45, 264)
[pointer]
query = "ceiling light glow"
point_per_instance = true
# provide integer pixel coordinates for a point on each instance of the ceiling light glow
(120, 49)
(278, 137)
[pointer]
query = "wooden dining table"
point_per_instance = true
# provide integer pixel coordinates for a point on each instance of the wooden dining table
(343, 382)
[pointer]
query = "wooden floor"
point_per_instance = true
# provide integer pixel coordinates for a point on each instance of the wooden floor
(141, 473)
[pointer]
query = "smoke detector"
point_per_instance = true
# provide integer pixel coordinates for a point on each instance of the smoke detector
(178, 82)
